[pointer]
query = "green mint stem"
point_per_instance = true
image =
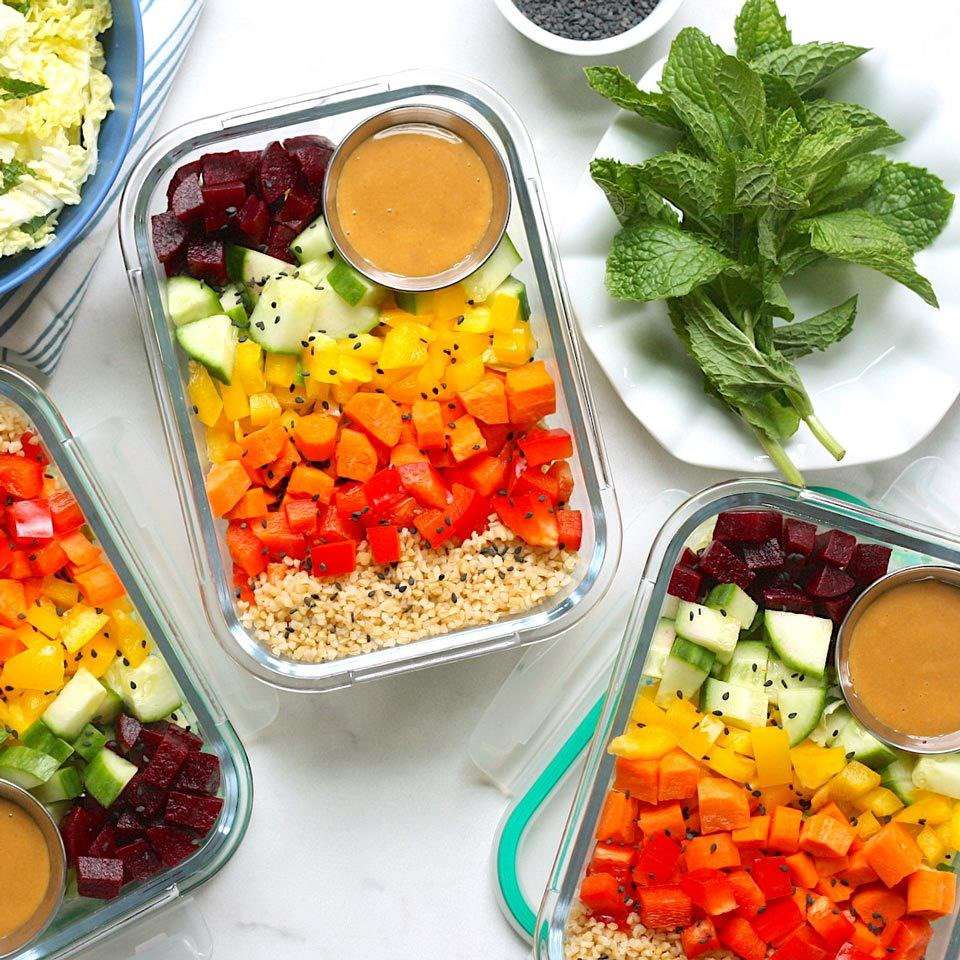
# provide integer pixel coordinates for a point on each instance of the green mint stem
(779, 456)
(825, 437)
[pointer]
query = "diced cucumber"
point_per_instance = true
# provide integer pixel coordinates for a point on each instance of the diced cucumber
(719, 669)
(91, 740)
(353, 287)
(800, 712)
(710, 628)
(898, 777)
(106, 775)
(76, 704)
(702, 536)
(337, 319)
(835, 717)
(513, 287)
(800, 640)
(254, 269)
(212, 342)
(731, 601)
(748, 666)
(314, 243)
(42, 738)
(110, 709)
(284, 315)
(670, 607)
(4, 734)
(315, 273)
(940, 774)
(781, 677)
(149, 691)
(712, 727)
(26, 767)
(498, 266)
(692, 653)
(189, 300)
(233, 302)
(415, 303)
(680, 677)
(664, 633)
(65, 784)
(859, 744)
(744, 707)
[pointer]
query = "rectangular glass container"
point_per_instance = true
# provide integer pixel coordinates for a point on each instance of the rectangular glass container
(333, 114)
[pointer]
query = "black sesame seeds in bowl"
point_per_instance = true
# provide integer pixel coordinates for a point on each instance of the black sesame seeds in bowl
(588, 27)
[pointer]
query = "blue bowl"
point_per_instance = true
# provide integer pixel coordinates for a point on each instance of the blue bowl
(123, 45)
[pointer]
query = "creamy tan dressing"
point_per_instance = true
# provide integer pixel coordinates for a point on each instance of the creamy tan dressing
(905, 657)
(414, 200)
(24, 867)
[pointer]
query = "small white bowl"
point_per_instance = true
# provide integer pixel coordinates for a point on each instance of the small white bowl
(646, 28)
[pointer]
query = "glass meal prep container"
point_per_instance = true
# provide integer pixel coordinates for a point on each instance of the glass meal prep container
(912, 544)
(81, 922)
(333, 114)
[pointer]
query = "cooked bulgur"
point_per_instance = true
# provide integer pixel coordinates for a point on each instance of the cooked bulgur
(490, 576)
(591, 939)
(12, 426)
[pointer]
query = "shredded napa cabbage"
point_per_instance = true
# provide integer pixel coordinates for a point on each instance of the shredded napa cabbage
(48, 139)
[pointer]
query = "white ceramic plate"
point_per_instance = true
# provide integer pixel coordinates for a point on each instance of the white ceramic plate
(882, 389)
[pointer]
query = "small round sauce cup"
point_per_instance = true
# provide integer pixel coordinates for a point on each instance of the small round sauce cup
(29, 931)
(414, 117)
(904, 740)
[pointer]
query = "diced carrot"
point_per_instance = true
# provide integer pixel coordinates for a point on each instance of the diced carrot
(714, 851)
(355, 457)
(306, 481)
(252, 504)
(301, 515)
(428, 424)
(893, 853)
(531, 393)
(784, 830)
(679, 775)
(754, 834)
(226, 483)
(316, 436)
(99, 584)
(833, 889)
(832, 810)
(825, 836)
(667, 820)
(858, 871)
(931, 893)
(638, 778)
(79, 549)
(487, 400)
(263, 446)
(863, 938)
(465, 438)
(803, 870)
(618, 819)
(878, 907)
(10, 644)
(246, 550)
(377, 414)
(723, 805)
(277, 470)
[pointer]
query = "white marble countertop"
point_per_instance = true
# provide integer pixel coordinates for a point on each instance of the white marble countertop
(371, 833)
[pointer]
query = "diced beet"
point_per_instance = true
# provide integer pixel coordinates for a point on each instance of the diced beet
(231, 166)
(764, 556)
(748, 526)
(187, 737)
(795, 567)
(207, 260)
(826, 582)
(689, 559)
(150, 738)
(297, 210)
(181, 174)
(314, 154)
(685, 584)
(187, 201)
(836, 608)
(128, 732)
(139, 860)
(128, 826)
(97, 813)
(278, 241)
(870, 562)
(193, 812)
(105, 844)
(278, 172)
(99, 877)
(836, 547)
(144, 799)
(78, 829)
(253, 219)
(167, 761)
(176, 266)
(170, 237)
(215, 221)
(200, 774)
(799, 536)
(172, 846)
(721, 564)
(787, 598)
(228, 197)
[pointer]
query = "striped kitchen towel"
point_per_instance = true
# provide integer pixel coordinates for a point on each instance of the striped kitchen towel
(35, 320)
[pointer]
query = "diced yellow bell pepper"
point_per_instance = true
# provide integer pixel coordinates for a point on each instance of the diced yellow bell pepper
(815, 765)
(711, 727)
(406, 389)
(732, 765)
(37, 668)
(264, 407)
(221, 445)
(695, 742)
(62, 593)
(931, 845)
(43, 616)
(24, 709)
(363, 346)
(431, 378)
(880, 801)
(280, 369)
(204, 395)
(771, 753)
(929, 809)
(737, 740)
(295, 399)
(821, 798)
(235, 403)
(475, 320)
(460, 346)
(317, 392)
(514, 347)
(122, 605)
(504, 311)
(248, 368)
(945, 833)
(30, 636)
(322, 361)
(450, 302)
(395, 317)
(777, 796)
(853, 781)
(80, 625)
(867, 825)
(354, 368)
(97, 655)
(954, 825)
(464, 374)
(645, 743)
(403, 347)
(131, 637)
(646, 712)
(289, 420)
(681, 716)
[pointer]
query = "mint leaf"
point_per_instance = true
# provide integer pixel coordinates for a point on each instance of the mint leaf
(860, 237)
(741, 92)
(690, 183)
(11, 174)
(13, 89)
(756, 184)
(34, 224)
(780, 96)
(912, 201)
(817, 333)
(830, 147)
(847, 184)
(805, 65)
(652, 261)
(837, 114)
(761, 28)
(626, 192)
(613, 84)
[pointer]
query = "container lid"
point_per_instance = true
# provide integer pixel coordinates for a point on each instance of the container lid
(533, 735)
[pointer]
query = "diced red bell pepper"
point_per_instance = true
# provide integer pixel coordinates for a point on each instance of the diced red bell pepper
(562, 473)
(384, 540)
(6, 554)
(777, 920)
(33, 449)
(29, 522)
(351, 501)
(612, 858)
(435, 526)
(334, 559)
(20, 476)
(570, 528)
(537, 483)
(848, 951)
(19, 568)
(829, 921)
(66, 512)
(47, 560)
(301, 515)
(698, 938)
(663, 908)
(545, 446)
(497, 435)
(797, 948)
(600, 893)
(424, 484)
(275, 534)
(335, 526)
(772, 875)
(910, 939)
(532, 521)
(658, 860)
(710, 890)
(405, 512)
(384, 491)
(484, 473)
(737, 935)
(470, 511)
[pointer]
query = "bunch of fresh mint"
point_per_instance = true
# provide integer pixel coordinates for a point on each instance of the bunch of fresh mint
(767, 177)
